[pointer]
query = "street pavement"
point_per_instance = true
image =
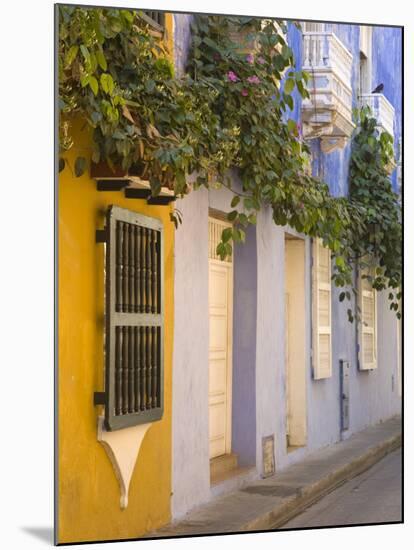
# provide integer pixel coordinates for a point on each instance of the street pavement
(260, 504)
(372, 497)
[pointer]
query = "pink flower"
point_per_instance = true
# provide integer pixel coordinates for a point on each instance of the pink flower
(232, 77)
(244, 92)
(261, 60)
(301, 205)
(250, 58)
(253, 79)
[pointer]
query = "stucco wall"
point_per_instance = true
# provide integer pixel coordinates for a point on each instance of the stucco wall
(244, 350)
(386, 68)
(191, 475)
(88, 491)
(373, 395)
(182, 38)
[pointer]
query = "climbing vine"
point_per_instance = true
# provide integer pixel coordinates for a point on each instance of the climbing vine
(117, 74)
(378, 248)
(231, 111)
(255, 76)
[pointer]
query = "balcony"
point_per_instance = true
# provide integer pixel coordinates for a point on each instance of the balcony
(381, 109)
(327, 114)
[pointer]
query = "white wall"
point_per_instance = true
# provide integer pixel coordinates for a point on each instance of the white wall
(191, 474)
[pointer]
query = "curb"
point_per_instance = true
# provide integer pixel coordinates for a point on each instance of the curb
(310, 493)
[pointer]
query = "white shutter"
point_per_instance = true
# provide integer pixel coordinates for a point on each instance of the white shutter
(322, 316)
(311, 26)
(367, 333)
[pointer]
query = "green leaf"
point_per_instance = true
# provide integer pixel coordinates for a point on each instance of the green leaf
(340, 262)
(85, 53)
(93, 84)
(292, 127)
(71, 54)
(235, 201)
(128, 15)
(101, 60)
(289, 85)
(107, 83)
(80, 166)
(211, 43)
(227, 234)
(111, 84)
(232, 215)
(221, 250)
(342, 297)
(84, 80)
(289, 101)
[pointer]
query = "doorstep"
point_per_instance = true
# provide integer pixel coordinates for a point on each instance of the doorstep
(269, 503)
(226, 475)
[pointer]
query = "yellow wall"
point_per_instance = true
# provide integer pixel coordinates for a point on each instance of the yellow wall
(88, 499)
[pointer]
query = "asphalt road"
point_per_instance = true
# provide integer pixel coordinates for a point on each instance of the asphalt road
(372, 497)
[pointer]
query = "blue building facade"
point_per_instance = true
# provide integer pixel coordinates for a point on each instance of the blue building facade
(279, 407)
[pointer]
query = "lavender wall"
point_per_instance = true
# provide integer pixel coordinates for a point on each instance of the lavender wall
(259, 397)
(386, 68)
(244, 350)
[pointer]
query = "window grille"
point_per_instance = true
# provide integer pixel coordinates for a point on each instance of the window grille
(155, 19)
(134, 319)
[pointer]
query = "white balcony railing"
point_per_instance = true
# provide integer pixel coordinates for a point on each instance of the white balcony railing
(324, 50)
(381, 109)
(328, 111)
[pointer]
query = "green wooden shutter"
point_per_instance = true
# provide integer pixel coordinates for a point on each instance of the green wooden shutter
(321, 314)
(134, 310)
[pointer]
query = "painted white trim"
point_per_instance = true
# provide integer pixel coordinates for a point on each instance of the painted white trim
(229, 370)
(122, 448)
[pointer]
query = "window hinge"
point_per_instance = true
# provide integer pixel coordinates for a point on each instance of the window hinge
(100, 236)
(99, 398)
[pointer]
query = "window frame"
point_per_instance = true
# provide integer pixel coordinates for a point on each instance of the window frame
(114, 318)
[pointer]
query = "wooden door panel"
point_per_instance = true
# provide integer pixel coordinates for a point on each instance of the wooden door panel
(217, 376)
(220, 275)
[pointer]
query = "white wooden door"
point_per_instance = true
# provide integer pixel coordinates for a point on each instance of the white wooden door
(220, 326)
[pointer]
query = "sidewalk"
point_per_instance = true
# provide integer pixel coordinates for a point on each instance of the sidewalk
(269, 503)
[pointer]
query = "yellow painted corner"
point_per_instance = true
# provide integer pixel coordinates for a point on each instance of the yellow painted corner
(88, 492)
(169, 34)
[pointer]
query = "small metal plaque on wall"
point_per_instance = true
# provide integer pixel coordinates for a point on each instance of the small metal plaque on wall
(268, 444)
(344, 371)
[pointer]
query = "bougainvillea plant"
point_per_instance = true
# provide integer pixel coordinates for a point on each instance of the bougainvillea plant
(230, 112)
